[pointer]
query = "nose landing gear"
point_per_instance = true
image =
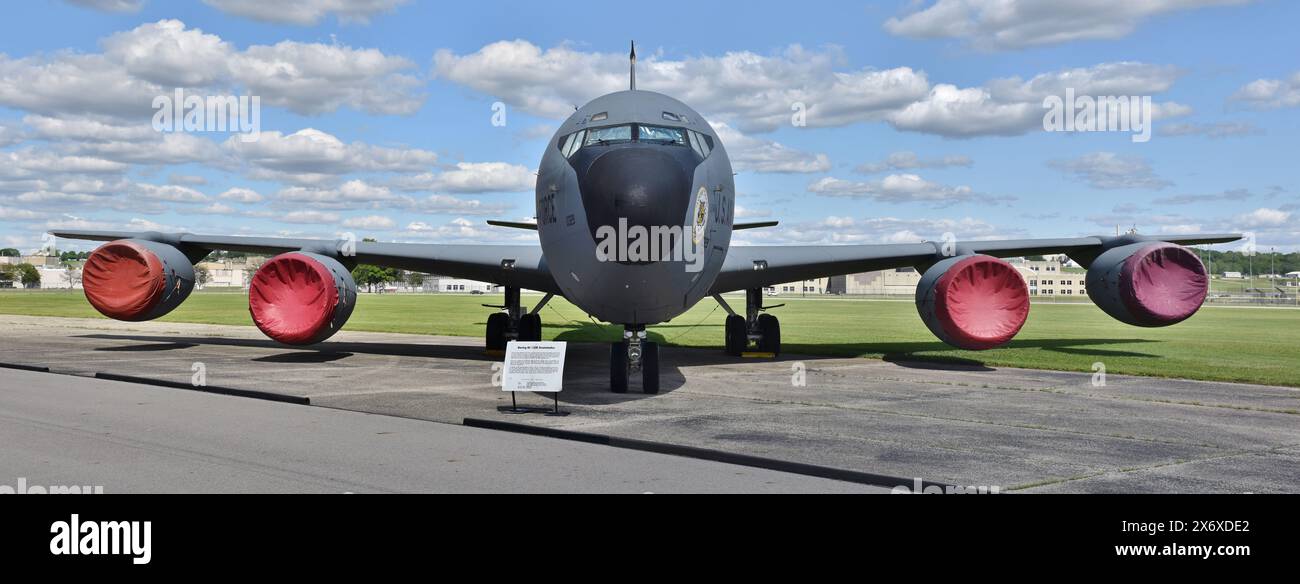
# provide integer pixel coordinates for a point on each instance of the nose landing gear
(634, 353)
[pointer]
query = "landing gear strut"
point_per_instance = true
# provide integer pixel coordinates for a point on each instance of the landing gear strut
(634, 353)
(514, 324)
(764, 330)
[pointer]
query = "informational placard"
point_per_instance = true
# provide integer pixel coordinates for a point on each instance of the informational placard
(534, 366)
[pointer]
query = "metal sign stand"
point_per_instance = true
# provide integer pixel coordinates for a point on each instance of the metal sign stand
(514, 409)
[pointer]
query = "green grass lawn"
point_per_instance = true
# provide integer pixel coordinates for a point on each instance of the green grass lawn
(1254, 345)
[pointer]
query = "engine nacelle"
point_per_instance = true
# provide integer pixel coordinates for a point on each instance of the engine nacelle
(137, 280)
(301, 298)
(1148, 284)
(973, 302)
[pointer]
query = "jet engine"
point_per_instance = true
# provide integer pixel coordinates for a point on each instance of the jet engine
(300, 298)
(1148, 284)
(137, 280)
(973, 302)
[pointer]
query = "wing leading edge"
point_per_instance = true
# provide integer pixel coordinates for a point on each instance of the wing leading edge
(749, 267)
(520, 266)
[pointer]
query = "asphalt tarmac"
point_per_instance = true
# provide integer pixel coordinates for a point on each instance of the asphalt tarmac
(1015, 429)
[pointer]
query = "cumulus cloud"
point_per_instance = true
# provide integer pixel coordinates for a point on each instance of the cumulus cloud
(1264, 217)
(369, 222)
(1014, 106)
(311, 156)
(472, 177)
(906, 160)
(752, 154)
(900, 188)
(755, 91)
(1268, 94)
(1107, 170)
(241, 195)
(305, 12)
(1013, 24)
(153, 58)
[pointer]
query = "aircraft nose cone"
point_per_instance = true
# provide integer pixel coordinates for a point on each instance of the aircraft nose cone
(646, 186)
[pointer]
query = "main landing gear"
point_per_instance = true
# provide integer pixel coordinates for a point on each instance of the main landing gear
(514, 324)
(763, 329)
(631, 355)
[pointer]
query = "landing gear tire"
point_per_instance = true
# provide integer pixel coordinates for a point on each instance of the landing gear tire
(618, 367)
(496, 331)
(736, 335)
(770, 329)
(650, 368)
(530, 327)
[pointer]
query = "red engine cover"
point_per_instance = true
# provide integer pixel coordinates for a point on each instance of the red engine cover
(976, 302)
(1163, 284)
(125, 281)
(294, 299)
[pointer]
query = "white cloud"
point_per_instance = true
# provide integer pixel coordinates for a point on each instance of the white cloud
(472, 177)
(1264, 217)
(110, 5)
(369, 222)
(753, 91)
(1107, 170)
(309, 216)
(834, 230)
(899, 188)
(1013, 106)
(906, 160)
(241, 195)
(310, 156)
(1270, 93)
(306, 12)
(153, 58)
(169, 193)
(1011, 24)
(759, 155)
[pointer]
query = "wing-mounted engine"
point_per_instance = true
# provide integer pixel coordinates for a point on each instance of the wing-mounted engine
(973, 302)
(1149, 284)
(301, 298)
(136, 279)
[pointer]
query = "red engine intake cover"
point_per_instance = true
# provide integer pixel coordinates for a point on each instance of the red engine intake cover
(973, 302)
(295, 299)
(125, 281)
(1162, 284)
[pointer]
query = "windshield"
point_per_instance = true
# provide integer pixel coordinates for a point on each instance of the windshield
(663, 135)
(608, 135)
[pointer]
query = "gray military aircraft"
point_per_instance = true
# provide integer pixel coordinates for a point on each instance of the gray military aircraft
(635, 198)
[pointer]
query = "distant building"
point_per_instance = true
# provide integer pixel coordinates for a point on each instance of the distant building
(1232, 275)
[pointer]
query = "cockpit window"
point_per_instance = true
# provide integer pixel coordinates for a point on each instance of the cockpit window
(662, 135)
(665, 135)
(610, 135)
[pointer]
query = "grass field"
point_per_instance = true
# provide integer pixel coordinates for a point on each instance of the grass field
(1253, 345)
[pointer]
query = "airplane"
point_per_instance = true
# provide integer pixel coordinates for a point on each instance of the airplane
(635, 210)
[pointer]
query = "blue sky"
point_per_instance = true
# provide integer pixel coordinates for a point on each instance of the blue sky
(377, 114)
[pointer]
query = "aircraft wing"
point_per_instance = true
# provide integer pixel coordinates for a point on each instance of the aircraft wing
(521, 266)
(757, 266)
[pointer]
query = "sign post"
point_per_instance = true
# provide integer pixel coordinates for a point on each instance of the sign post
(536, 366)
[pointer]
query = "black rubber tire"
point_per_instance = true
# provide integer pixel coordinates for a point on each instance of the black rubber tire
(530, 327)
(618, 367)
(650, 368)
(770, 328)
(495, 339)
(736, 335)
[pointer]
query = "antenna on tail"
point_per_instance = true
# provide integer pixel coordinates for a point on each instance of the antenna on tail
(633, 57)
